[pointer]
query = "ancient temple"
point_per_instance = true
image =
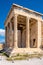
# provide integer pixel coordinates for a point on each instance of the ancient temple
(23, 30)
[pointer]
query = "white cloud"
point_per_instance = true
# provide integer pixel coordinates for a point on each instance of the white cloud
(2, 32)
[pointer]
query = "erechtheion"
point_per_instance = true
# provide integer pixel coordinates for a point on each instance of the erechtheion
(23, 30)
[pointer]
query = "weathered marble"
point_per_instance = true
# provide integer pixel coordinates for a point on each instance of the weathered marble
(24, 30)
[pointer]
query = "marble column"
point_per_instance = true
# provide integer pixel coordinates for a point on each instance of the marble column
(6, 36)
(11, 35)
(27, 32)
(15, 31)
(39, 34)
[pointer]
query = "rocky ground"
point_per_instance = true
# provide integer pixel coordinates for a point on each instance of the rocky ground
(32, 61)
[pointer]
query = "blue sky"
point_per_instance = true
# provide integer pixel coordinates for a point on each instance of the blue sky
(5, 6)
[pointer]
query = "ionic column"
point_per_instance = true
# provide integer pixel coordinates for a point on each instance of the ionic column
(27, 32)
(15, 31)
(6, 35)
(39, 34)
(11, 35)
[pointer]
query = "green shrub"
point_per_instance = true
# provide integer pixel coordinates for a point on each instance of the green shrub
(18, 54)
